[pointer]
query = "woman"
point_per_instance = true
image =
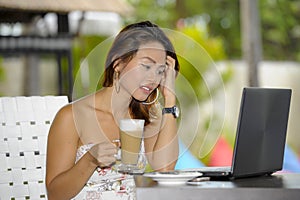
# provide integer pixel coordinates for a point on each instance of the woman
(80, 153)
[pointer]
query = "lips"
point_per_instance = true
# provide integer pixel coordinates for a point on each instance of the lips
(146, 89)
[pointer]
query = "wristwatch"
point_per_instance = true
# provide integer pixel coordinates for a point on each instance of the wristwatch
(173, 110)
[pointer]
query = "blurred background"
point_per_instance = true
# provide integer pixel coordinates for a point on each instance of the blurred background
(59, 48)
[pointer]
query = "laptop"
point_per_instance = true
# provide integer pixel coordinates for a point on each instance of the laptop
(260, 136)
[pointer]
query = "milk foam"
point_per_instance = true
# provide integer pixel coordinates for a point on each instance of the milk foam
(131, 124)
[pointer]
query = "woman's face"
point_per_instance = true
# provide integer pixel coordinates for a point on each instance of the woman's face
(141, 76)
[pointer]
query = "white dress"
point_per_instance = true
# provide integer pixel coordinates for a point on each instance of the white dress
(106, 184)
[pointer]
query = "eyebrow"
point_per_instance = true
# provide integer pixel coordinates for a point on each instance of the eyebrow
(148, 58)
(152, 60)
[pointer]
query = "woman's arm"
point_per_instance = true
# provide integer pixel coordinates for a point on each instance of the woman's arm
(64, 178)
(165, 151)
(162, 148)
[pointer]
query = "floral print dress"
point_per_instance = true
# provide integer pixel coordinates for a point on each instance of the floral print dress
(106, 184)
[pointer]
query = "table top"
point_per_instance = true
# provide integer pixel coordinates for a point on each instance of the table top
(277, 186)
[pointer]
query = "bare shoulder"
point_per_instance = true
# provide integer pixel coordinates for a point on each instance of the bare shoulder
(73, 117)
(65, 114)
(77, 106)
(63, 123)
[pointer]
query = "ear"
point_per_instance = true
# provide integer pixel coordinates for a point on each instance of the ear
(118, 65)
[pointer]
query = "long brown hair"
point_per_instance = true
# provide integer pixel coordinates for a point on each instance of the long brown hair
(125, 47)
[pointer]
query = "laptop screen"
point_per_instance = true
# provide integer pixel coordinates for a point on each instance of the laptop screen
(261, 131)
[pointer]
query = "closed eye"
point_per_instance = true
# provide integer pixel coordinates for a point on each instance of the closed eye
(161, 71)
(146, 66)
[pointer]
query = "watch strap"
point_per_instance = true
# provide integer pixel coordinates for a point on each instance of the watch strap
(168, 110)
(173, 110)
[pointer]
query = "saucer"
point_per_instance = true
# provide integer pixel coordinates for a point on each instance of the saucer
(172, 177)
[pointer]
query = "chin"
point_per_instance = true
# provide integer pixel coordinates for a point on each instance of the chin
(140, 99)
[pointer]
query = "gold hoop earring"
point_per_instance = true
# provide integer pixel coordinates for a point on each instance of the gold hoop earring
(149, 103)
(117, 84)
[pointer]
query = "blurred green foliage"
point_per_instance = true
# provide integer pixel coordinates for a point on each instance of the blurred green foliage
(2, 72)
(1, 69)
(202, 54)
(199, 67)
(281, 29)
(213, 45)
(85, 59)
(280, 26)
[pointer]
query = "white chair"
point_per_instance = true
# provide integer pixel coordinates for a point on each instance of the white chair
(24, 126)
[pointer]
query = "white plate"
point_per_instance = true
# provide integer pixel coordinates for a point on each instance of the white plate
(172, 177)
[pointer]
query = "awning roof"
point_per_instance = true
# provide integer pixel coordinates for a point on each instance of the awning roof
(65, 6)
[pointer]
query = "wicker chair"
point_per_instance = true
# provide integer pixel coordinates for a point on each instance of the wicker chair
(24, 125)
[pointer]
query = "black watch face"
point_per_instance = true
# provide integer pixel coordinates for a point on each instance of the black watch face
(174, 111)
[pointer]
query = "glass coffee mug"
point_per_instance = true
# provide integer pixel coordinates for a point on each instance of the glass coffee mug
(133, 160)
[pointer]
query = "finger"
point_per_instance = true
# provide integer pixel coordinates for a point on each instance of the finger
(107, 146)
(107, 151)
(103, 149)
(170, 62)
(107, 161)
